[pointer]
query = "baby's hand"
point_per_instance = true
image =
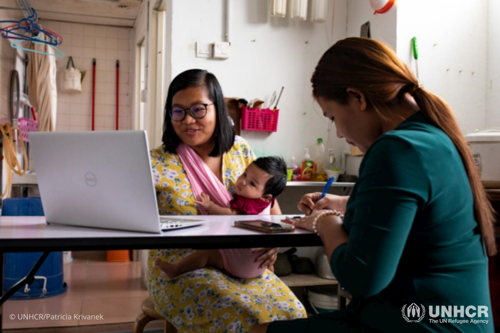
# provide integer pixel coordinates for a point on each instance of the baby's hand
(204, 200)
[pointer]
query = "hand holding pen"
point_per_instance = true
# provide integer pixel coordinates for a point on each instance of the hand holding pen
(325, 190)
(312, 201)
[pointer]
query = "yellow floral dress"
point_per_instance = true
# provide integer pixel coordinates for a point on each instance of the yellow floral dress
(206, 300)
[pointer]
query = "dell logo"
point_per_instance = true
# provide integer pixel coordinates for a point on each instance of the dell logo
(90, 179)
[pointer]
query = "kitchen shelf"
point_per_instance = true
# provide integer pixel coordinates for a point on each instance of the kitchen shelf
(306, 280)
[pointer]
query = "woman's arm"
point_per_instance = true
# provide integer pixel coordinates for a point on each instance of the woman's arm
(330, 229)
(393, 184)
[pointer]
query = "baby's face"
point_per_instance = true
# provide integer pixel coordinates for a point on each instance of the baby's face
(252, 182)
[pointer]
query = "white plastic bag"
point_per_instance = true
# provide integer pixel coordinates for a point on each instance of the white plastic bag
(71, 79)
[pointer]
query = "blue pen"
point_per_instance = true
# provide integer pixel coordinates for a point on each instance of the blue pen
(325, 189)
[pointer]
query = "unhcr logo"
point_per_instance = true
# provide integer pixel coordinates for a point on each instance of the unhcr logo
(413, 313)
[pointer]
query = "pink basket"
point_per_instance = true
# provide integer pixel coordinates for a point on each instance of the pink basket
(27, 125)
(265, 120)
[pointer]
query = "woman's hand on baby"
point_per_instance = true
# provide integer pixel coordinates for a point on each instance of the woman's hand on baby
(268, 256)
(310, 202)
(204, 200)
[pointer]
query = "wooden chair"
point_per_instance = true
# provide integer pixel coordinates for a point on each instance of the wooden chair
(343, 296)
(148, 314)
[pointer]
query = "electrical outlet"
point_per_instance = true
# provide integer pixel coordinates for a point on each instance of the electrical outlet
(221, 50)
(203, 50)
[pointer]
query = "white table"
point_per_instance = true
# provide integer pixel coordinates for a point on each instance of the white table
(29, 234)
(32, 234)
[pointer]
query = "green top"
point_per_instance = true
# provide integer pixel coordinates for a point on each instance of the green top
(412, 239)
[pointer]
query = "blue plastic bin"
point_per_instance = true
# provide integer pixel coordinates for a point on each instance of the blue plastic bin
(18, 265)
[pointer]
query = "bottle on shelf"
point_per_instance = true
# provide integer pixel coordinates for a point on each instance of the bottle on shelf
(330, 160)
(295, 169)
(306, 171)
(319, 169)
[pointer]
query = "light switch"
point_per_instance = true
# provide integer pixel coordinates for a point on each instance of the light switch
(221, 50)
(203, 50)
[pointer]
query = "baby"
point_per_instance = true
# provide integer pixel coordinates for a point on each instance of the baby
(256, 189)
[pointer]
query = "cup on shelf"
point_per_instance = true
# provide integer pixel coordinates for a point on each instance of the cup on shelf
(333, 173)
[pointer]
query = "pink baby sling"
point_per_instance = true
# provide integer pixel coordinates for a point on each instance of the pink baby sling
(237, 262)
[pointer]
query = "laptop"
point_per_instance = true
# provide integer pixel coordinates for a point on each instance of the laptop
(99, 180)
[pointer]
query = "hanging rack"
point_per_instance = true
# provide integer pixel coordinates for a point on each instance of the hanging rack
(27, 29)
(25, 8)
(29, 25)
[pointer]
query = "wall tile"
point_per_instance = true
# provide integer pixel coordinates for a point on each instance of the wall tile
(110, 65)
(110, 122)
(124, 89)
(88, 56)
(85, 42)
(112, 43)
(112, 32)
(110, 99)
(65, 29)
(62, 120)
(100, 42)
(77, 29)
(123, 45)
(123, 76)
(124, 33)
(76, 50)
(125, 123)
(111, 54)
(54, 26)
(110, 87)
(100, 54)
(89, 42)
(110, 77)
(124, 56)
(89, 30)
(77, 40)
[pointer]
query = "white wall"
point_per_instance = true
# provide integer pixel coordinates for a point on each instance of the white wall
(452, 44)
(266, 54)
(493, 66)
(382, 26)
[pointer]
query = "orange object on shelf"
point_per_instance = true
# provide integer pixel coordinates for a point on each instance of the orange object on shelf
(117, 255)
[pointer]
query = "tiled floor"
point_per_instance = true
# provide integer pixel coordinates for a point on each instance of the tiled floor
(113, 290)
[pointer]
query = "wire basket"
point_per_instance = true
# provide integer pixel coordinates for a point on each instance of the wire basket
(27, 125)
(265, 120)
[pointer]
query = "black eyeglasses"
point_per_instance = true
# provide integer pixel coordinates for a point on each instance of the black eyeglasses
(197, 111)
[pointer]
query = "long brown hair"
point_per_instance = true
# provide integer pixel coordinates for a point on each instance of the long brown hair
(374, 68)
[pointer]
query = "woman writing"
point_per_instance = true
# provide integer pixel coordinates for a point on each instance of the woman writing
(200, 154)
(418, 226)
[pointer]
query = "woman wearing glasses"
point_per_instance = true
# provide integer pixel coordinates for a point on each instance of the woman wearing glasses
(199, 143)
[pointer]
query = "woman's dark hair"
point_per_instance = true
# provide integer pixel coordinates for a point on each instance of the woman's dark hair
(223, 133)
(373, 68)
(276, 167)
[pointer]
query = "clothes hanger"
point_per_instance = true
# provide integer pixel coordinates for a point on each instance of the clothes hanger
(59, 53)
(9, 33)
(30, 26)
